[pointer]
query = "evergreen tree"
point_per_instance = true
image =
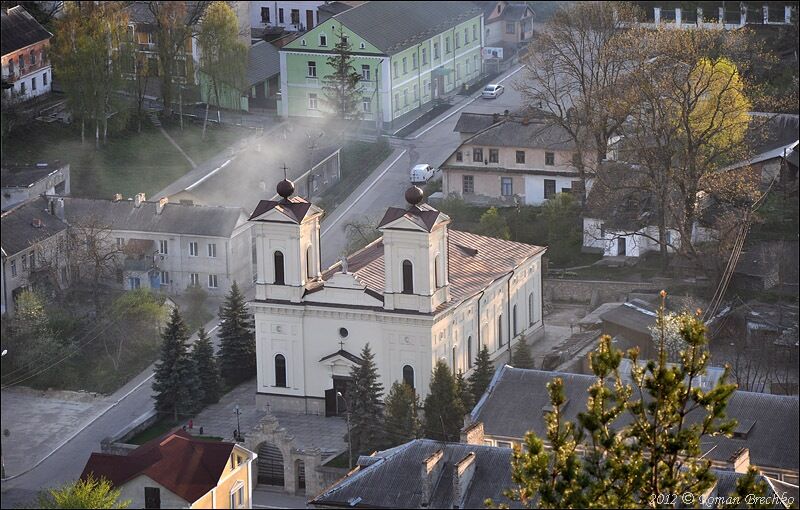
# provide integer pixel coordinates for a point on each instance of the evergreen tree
(88, 493)
(365, 407)
(401, 419)
(340, 88)
(481, 375)
(521, 355)
(175, 382)
(655, 451)
(444, 411)
(462, 387)
(237, 353)
(206, 364)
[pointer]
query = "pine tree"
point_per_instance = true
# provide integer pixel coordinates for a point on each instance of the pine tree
(462, 387)
(521, 356)
(175, 382)
(207, 371)
(341, 90)
(237, 353)
(481, 375)
(401, 418)
(656, 450)
(365, 407)
(444, 411)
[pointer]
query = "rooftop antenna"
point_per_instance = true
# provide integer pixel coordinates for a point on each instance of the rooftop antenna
(284, 170)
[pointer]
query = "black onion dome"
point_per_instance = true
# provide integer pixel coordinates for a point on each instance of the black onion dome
(285, 188)
(414, 195)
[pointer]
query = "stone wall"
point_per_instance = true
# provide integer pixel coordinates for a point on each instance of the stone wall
(594, 292)
(116, 445)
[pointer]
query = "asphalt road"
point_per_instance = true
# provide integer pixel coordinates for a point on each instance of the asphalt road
(385, 187)
(431, 144)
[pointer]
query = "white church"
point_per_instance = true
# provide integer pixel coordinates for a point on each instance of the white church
(420, 293)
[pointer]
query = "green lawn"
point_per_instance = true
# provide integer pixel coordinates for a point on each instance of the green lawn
(129, 163)
(155, 430)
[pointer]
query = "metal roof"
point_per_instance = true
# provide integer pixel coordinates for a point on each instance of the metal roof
(263, 62)
(28, 224)
(20, 29)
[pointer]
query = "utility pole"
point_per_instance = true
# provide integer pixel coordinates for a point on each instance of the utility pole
(237, 412)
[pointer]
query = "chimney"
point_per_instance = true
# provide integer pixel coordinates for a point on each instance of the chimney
(138, 199)
(463, 471)
(431, 469)
(161, 203)
(740, 461)
(473, 434)
(117, 197)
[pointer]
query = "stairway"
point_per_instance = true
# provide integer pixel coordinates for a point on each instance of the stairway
(153, 115)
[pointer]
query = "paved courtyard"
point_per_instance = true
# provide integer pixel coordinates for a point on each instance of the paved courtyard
(39, 421)
(309, 431)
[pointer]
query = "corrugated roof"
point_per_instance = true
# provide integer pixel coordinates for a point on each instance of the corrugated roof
(18, 231)
(19, 29)
(186, 466)
(475, 262)
(773, 439)
(395, 479)
(212, 221)
(394, 26)
(263, 62)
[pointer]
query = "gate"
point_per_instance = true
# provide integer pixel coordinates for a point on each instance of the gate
(270, 465)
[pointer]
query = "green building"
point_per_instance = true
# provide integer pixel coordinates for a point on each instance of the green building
(408, 54)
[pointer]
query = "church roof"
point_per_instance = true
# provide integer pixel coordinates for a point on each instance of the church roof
(346, 355)
(423, 215)
(294, 208)
(475, 262)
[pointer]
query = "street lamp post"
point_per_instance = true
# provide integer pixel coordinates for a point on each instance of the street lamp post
(349, 439)
(2, 458)
(237, 412)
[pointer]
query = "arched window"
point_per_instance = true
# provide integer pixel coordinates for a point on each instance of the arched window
(514, 318)
(309, 264)
(469, 352)
(455, 367)
(408, 375)
(500, 330)
(408, 277)
(280, 371)
(437, 271)
(279, 271)
(530, 309)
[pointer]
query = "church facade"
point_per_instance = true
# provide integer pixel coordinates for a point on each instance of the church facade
(420, 293)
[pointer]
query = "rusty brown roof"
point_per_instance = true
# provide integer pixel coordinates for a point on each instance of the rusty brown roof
(475, 262)
(295, 208)
(423, 215)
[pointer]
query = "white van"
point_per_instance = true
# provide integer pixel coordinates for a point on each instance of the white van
(421, 174)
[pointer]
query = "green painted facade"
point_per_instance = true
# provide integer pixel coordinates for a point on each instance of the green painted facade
(392, 85)
(229, 97)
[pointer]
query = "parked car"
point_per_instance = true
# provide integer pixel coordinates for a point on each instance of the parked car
(421, 174)
(492, 90)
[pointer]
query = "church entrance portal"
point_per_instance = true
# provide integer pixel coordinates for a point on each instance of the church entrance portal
(334, 405)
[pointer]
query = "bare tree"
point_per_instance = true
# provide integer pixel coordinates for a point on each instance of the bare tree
(574, 73)
(96, 257)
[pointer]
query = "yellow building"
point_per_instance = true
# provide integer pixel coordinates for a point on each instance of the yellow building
(179, 471)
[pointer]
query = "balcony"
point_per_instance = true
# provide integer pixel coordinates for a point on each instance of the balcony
(21, 72)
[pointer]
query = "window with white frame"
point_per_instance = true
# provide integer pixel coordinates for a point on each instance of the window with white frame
(416, 92)
(414, 61)
(424, 56)
(312, 101)
(396, 101)
(466, 36)
(312, 69)
(323, 40)
(120, 242)
(212, 281)
(212, 250)
(24, 262)
(405, 97)
(396, 73)
(366, 104)
(163, 247)
(436, 51)
(195, 279)
(474, 32)
(193, 249)
(506, 186)
(33, 83)
(164, 277)
(365, 73)
(447, 44)
(457, 37)
(405, 65)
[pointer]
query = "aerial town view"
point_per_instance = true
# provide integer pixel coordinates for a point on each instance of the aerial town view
(400, 254)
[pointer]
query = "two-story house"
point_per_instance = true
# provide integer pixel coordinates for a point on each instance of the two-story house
(508, 24)
(172, 246)
(179, 471)
(421, 293)
(33, 244)
(518, 158)
(26, 64)
(407, 53)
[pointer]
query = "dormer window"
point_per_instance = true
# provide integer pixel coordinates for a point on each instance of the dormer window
(408, 277)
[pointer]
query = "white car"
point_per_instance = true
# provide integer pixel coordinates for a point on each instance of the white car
(492, 90)
(421, 174)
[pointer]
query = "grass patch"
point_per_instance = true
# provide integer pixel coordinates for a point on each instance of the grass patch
(358, 160)
(128, 163)
(155, 430)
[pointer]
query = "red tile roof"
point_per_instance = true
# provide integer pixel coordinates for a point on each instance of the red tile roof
(188, 467)
(475, 262)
